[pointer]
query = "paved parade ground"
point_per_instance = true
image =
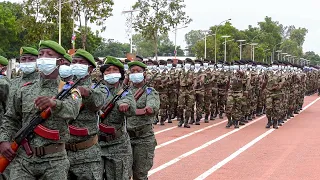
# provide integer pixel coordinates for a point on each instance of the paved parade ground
(211, 151)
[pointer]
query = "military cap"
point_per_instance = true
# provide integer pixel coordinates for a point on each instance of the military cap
(4, 61)
(188, 60)
(84, 54)
(169, 60)
(150, 60)
(68, 57)
(163, 62)
(155, 62)
(206, 61)
(236, 62)
(29, 51)
(127, 61)
(180, 61)
(139, 58)
(111, 61)
(220, 62)
(52, 45)
(137, 63)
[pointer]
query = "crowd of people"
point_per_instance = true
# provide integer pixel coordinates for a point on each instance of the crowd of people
(100, 122)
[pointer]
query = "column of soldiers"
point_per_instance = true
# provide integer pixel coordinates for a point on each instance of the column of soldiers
(241, 89)
(42, 137)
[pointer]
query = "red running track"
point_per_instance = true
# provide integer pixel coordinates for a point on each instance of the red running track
(211, 151)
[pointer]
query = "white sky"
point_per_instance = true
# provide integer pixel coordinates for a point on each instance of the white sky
(206, 13)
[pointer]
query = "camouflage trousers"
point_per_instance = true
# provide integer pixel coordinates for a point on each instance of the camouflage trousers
(207, 101)
(163, 104)
(173, 102)
(85, 164)
(143, 155)
(261, 99)
(117, 158)
(234, 105)
(273, 106)
(222, 100)
(22, 169)
(199, 100)
(214, 101)
(185, 102)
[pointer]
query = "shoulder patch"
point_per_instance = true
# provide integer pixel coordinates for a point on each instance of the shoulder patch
(75, 94)
(125, 93)
(66, 86)
(149, 90)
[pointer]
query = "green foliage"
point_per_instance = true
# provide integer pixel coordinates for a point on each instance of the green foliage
(110, 48)
(312, 56)
(158, 16)
(191, 39)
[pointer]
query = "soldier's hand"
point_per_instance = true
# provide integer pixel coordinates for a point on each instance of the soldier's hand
(84, 91)
(44, 102)
(148, 110)
(6, 151)
(124, 107)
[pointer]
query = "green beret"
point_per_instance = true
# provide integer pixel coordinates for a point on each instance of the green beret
(52, 45)
(84, 54)
(3, 61)
(29, 51)
(137, 63)
(68, 57)
(113, 61)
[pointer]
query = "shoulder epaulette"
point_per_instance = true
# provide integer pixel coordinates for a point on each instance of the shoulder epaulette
(27, 84)
(148, 90)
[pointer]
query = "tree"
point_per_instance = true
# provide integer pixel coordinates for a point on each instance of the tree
(110, 48)
(312, 56)
(298, 35)
(192, 38)
(158, 16)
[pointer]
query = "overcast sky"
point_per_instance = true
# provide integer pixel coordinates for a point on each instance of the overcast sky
(206, 13)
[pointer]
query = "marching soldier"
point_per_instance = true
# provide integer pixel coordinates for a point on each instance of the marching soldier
(47, 157)
(199, 91)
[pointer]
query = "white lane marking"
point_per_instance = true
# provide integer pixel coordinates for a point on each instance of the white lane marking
(189, 134)
(164, 130)
(173, 161)
(243, 148)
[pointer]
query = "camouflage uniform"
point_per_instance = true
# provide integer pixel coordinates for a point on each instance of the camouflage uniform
(150, 74)
(208, 85)
(199, 95)
(96, 75)
(84, 152)
(222, 91)
(143, 141)
(186, 96)
(173, 93)
(116, 149)
(43, 166)
(214, 97)
(4, 91)
(161, 82)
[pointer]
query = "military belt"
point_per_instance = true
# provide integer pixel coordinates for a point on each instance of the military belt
(82, 145)
(134, 133)
(50, 149)
(111, 137)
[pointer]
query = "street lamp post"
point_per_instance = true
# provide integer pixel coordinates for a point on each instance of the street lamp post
(293, 60)
(175, 40)
(215, 40)
(273, 51)
(252, 46)
(131, 17)
(241, 41)
(265, 53)
(225, 47)
(283, 57)
(279, 51)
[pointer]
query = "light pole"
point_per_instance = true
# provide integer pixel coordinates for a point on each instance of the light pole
(241, 41)
(131, 17)
(283, 57)
(265, 50)
(225, 47)
(252, 48)
(215, 40)
(273, 51)
(293, 60)
(288, 57)
(205, 41)
(175, 40)
(279, 51)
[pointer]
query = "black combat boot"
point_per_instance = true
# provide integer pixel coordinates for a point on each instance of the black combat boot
(221, 115)
(212, 116)
(275, 124)
(156, 120)
(280, 122)
(229, 123)
(269, 123)
(181, 121)
(192, 120)
(186, 125)
(198, 120)
(245, 119)
(170, 118)
(162, 120)
(236, 124)
(206, 118)
(250, 117)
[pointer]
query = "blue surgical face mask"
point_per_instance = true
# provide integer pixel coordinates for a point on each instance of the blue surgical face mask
(179, 65)
(28, 67)
(79, 70)
(47, 65)
(136, 77)
(65, 71)
(161, 67)
(205, 65)
(150, 67)
(112, 78)
(169, 66)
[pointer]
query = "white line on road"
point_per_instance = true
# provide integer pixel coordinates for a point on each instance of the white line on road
(242, 149)
(164, 130)
(189, 134)
(173, 161)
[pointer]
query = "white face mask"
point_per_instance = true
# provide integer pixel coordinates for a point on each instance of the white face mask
(187, 66)
(112, 78)
(161, 67)
(28, 67)
(150, 67)
(79, 70)
(169, 66)
(65, 71)
(219, 65)
(179, 66)
(206, 65)
(136, 77)
(47, 65)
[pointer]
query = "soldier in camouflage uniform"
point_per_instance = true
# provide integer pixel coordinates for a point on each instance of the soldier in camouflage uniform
(161, 82)
(208, 85)
(49, 159)
(187, 81)
(199, 91)
(114, 139)
(84, 152)
(4, 86)
(222, 80)
(172, 91)
(214, 99)
(139, 127)
(96, 75)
